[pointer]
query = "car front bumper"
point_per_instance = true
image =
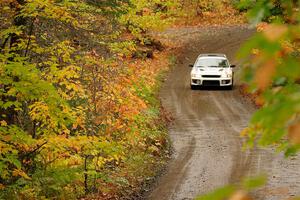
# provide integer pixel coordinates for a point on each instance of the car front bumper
(211, 81)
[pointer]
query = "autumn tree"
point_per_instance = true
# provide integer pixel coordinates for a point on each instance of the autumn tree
(73, 109)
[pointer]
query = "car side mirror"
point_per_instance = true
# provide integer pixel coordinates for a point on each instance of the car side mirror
(232, 66)
(191, 65)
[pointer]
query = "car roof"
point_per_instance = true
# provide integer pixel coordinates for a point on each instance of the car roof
(212, 55)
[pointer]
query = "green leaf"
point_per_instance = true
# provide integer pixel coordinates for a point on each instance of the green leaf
(219, 194)
(252, 183)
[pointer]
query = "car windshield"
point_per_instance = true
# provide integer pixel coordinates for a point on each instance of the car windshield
(212, 62)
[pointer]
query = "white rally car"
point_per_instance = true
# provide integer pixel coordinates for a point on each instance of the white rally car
(212, 70)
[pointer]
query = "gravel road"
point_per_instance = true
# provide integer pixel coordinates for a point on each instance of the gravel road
(205, 132)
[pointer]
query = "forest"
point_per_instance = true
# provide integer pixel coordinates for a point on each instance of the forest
(78, 106)
(79, 80)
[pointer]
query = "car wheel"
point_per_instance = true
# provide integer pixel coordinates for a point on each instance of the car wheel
(230, 87)
(193, 87)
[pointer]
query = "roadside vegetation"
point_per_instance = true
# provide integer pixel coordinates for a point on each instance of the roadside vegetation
(79, 113)
(204, 12)
(274, 75)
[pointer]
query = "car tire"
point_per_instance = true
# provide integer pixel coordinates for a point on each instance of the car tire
(231, 86)
(193, 87)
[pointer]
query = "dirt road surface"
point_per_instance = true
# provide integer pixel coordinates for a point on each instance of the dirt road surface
(206, 131)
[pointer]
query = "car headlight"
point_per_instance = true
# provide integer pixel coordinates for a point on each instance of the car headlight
(229, 75)
(225, 75)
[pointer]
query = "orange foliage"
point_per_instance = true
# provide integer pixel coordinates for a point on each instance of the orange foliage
(264, 73)
(294, 133)
(240, 195)
(273, 32)
(224, 15)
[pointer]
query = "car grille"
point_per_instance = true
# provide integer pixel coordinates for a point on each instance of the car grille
(211, 76)
(211, 83)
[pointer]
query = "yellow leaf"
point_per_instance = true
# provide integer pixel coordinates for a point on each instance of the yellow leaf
(3, 123)
(261, 26)
(240, 195)
(244, 132)
(19, 172)
(255, 51)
